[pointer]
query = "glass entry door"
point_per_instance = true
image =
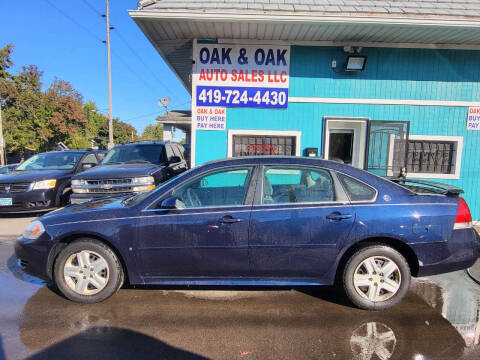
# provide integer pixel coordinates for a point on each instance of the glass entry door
(345, 140)
(341, 145)
(387, 147)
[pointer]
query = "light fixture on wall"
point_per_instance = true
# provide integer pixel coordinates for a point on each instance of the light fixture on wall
(355, 63)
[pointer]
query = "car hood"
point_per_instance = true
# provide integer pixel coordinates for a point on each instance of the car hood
(119, 171)
(98, 209)
(32, 175)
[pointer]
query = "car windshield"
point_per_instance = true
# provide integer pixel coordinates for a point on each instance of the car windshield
(51, 161)
(133, 154)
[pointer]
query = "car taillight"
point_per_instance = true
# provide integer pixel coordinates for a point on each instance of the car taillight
(464, 218)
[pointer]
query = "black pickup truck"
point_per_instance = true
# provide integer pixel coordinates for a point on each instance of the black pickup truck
(130, 168)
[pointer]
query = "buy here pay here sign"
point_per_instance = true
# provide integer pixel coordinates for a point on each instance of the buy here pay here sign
(242, 75)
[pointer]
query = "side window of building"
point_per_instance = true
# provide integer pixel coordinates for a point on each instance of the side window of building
(297, 185)
(253, 145)
(356, 190)
(222, 188)
(430, 156)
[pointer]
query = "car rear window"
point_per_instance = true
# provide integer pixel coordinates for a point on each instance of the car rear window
(357, 190)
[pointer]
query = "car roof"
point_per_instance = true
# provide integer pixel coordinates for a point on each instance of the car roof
(360, 174)
(143, 143)
(71, 151)
(281, 160)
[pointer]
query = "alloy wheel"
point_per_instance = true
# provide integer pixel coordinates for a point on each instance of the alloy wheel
(377, 278)
(86, 272)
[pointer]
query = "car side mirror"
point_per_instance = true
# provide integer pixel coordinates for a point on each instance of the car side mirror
(169, 203)
(86, 166)
(175, 159)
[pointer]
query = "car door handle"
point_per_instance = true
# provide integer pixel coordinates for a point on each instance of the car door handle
(338, 216)
(229, 220)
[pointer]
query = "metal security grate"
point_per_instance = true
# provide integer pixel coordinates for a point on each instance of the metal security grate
(247, 145)
(434, 157)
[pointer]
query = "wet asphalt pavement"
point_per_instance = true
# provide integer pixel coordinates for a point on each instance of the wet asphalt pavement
(439, 319)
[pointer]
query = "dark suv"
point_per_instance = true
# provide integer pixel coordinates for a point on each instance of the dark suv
(130, 168)
(42, 182)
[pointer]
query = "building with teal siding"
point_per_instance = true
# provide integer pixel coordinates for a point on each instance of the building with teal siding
(391, 87)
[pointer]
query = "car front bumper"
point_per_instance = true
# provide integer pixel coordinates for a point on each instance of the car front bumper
(29, 201)
(33, 256)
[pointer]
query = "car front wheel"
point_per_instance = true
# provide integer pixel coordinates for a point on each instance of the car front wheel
(88, 271)
(376, 277)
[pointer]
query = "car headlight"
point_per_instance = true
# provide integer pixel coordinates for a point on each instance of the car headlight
(44, 184)
(143, 188)
(78, 182)
(148, 180)
(34, 230)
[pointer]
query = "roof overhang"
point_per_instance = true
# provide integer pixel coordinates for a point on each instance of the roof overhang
(181, 119)
(172, 33)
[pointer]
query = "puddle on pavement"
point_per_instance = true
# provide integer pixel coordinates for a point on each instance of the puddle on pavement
(457, 298)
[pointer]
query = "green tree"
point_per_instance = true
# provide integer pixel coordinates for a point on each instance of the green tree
(37, 120)
(25, 114)
(153, 132)
(78, 142)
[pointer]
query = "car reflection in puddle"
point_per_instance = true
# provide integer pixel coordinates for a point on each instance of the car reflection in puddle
(372, 340)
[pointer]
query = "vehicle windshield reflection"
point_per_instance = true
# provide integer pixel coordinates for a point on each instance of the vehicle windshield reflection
(51, 161)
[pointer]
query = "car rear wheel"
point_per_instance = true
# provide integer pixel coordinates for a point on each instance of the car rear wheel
(88, 271)
(376, 277)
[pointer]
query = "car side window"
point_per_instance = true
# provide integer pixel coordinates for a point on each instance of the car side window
(100, 156)
(220, 188)
(297, 185)
(90, 159)
(177, 152)
(169, 151)
(357, 191)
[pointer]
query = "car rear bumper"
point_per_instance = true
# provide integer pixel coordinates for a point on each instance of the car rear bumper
(33, 256)
(82, 198)
(460, 252)
(29, 201)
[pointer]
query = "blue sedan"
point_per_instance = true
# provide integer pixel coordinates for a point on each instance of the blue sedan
(257, 221)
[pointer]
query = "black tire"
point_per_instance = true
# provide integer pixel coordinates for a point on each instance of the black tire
(115, 270)
(381, 251)
(63, 195)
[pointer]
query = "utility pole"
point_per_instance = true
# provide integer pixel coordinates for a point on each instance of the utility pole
(2, 140)
(110, 116)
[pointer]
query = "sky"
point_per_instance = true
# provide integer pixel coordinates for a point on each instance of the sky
(64, 39)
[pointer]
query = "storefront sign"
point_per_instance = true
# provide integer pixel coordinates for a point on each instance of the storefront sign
(473, 118)
(242, 75)
(211, 118)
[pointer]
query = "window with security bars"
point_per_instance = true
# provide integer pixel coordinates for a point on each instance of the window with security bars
(251, 145)
(431, 157)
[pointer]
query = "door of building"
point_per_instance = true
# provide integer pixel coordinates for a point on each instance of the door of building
(387, 147)
(345, 140)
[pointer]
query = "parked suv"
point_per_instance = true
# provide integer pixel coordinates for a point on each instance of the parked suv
(130, 168)
(42, 182)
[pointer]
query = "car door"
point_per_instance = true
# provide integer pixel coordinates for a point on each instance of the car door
(299, 221)
(206, 235)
